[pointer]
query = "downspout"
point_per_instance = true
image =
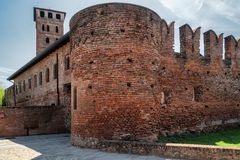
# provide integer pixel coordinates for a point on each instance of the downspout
(58, 94)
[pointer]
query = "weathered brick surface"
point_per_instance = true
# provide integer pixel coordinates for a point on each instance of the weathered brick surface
(22, 121)
(46, 28)
(131, 85)
(196, 152)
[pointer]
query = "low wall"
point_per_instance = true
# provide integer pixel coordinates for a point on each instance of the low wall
(196, 152)
(22, 121)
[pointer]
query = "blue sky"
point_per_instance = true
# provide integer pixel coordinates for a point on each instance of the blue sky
(17, 29)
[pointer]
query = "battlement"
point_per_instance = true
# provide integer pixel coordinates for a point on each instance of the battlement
(215, 54)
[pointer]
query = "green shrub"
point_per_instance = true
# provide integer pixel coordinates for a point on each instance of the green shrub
(2, 96)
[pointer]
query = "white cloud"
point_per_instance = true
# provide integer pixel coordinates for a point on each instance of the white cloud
(183, 8)
(4, 74)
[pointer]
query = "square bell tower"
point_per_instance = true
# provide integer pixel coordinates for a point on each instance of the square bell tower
(49, 27)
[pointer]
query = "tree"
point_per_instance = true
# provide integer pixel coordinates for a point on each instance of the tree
(2, 96)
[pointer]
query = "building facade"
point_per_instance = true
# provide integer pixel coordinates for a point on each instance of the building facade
(118, 69)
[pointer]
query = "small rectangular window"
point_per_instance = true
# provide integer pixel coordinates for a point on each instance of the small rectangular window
(20, 87)
(16, 89)
(75, 98)
(50, 15)
(24, 86)
(67, 63)
(42, 14)
(47, 75)
(35, 80)
(40, 78)
(198, 94)
(55, 71)
(58, 16)
(30, 83)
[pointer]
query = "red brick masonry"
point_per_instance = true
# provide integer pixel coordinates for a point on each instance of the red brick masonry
(128, 84)
(196, 152)
(31, 121)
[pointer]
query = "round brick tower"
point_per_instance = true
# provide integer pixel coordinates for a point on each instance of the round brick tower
(115, 55)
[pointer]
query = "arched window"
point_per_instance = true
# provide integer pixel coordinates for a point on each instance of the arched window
(43, 27)
(47, 75)
(48, 28)
(47, 40)
(56, 29)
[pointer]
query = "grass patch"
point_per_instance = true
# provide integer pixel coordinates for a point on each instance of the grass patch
(228, 138)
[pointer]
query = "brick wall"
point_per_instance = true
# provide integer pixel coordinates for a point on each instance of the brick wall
(47, 93)
(22, 121)
(196, 152)
(130, 85)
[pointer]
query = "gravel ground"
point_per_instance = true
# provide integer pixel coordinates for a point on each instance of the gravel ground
(56, 147)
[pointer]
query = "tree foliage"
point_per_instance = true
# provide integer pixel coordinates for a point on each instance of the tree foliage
(2, 96)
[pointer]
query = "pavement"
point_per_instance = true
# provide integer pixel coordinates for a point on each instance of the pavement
(56, 147)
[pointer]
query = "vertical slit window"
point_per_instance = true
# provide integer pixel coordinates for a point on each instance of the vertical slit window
(47, 75)
(43, 27)
(75, 98)
(40, 78)
(35, 80)
(30, 83)
(55, 71)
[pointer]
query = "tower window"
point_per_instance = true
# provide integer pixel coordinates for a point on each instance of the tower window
(42, 14)
(40, 78)
(58, 16)
(48, 28)
(56, 29)
(43, 27)
(47, 40)
(47, 75)
(50, 15)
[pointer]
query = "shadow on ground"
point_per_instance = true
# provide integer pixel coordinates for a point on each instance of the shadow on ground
(56, 147)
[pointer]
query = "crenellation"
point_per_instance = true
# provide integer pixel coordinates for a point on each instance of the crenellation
(213, 47)
(167, 36)
(190, 41)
